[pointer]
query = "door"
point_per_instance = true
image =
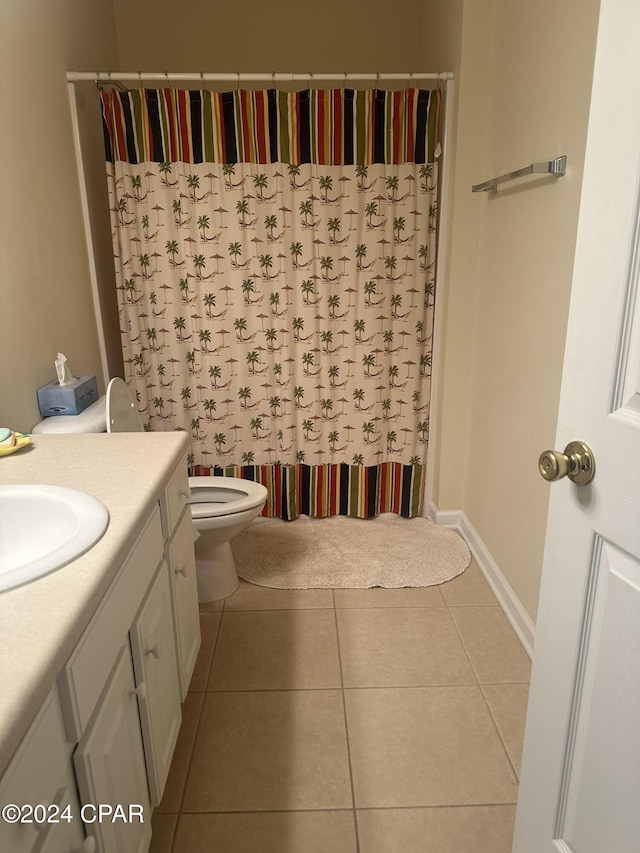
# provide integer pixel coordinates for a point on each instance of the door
(580, 785)
(110, 767)
(41, 775)
(184, 588)
(155, 665)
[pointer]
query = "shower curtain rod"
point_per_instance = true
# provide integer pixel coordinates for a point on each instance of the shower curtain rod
(240, 77)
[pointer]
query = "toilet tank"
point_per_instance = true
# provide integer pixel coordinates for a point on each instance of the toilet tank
(92, 419)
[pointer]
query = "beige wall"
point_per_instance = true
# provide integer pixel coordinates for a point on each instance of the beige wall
(45, 299)
(254, 35)
(507, 294)
(440, 42)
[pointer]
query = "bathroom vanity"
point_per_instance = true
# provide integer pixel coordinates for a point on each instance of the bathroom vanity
(96, 657)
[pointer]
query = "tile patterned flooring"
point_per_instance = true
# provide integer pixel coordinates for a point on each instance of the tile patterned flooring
(350, 721)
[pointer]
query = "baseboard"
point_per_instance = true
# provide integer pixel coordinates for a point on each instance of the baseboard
(520, 620)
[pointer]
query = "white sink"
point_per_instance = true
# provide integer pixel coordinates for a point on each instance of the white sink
(42, 528)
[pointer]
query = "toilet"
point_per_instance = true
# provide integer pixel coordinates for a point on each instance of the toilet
(221, 507)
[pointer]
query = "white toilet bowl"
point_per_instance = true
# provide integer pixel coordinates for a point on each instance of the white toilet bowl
(220, 506)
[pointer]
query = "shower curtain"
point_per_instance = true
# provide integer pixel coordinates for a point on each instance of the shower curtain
(274, 258)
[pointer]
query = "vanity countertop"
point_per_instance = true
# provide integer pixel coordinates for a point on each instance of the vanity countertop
(41, 622)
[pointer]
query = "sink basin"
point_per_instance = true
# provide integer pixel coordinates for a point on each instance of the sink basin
(42, 528)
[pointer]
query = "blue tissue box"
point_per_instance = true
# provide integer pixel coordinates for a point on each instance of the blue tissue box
(71, 399)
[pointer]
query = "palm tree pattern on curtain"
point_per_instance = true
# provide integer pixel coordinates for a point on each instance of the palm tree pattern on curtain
(281, 314)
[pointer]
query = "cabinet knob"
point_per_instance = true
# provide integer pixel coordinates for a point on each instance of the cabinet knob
(156, 651)
(185, 493)
(181, 570)
(140, 691)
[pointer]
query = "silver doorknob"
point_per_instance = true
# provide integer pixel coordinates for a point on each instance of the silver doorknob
(577, 463)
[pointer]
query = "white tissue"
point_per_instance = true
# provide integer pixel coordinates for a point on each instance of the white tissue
(63, 370)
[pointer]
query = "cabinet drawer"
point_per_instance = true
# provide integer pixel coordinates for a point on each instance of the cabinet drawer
(41, 773)
(88, 668)
(156, 670)
(175, 498)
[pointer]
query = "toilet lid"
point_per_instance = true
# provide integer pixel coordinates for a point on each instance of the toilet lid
(122, 412)
(213, 496)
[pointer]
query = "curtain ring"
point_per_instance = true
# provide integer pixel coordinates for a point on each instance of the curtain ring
(119, 86)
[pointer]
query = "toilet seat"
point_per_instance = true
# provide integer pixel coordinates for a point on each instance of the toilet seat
(217, 496)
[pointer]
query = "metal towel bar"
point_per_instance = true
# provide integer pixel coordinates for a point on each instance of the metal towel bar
(556, 167)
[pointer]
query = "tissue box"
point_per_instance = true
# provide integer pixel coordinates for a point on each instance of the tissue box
(71, 399)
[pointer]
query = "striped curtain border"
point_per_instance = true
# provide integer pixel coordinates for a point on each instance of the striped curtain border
(325, 127)
(319, 491)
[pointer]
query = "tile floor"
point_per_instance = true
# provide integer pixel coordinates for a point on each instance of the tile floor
(350, 721)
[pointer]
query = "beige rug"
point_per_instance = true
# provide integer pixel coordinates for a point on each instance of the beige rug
(348, 553)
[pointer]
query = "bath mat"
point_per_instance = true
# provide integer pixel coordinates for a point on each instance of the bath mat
(348, 553)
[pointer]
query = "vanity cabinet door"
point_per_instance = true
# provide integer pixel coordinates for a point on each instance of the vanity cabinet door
(66, 838)
(156, 671)
(110, 758)
(86, 673)
(182, 565)
(41, 774)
